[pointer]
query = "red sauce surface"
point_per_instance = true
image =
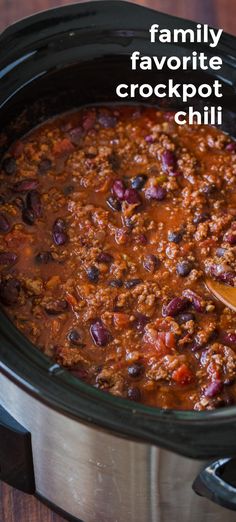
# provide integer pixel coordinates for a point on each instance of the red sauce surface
(110, 220)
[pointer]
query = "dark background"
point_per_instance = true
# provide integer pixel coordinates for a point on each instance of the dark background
(14, 505)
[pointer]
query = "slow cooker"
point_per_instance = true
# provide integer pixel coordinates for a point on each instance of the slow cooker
(90, 455)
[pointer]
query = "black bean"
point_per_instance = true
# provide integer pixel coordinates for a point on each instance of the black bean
(139, 181)
(10, 291)
(151, 263)
(93, 274)
(220, 252)
(59, 233)
(9, 166)
(44, 165)
(175, 236)
(7, 258)
(134, 394)
(43, 258)
(131, 283)
(116, 283)
(68, 190)
(185, 317)
(200, 217)
(184, 268)
(28, 216)
(74, 337)
(4, 224)
(33, 202)
(99, 333)
(114, 203)
(56, 307)
(135, 370)
(209, 189)
(114, 161)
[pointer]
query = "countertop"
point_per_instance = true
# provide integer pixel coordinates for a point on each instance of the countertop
(14, 505)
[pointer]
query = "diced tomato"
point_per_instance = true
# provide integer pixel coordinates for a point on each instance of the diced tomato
(183, 375)
(63, 146)
(121, 320)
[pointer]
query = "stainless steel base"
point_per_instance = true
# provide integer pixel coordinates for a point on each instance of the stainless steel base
(97, 476)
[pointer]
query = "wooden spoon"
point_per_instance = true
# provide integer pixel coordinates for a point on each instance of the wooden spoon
(225, 294)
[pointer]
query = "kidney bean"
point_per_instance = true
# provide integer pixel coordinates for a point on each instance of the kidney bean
(43, 258)
(99, 333)
(174, 307)
(201, 217)
(141, 239)
(158, 193)
(213, 389)
(168, 160)
(196, 300)
(151, 263)
(76, 135)
(134, 394)
(108, 121)
(149, 139)
(44, 165)
(74, 337)
(9, 166)
(10, 291)
(7, 258)
(228, 338)
(89, 120)
(141, 321)
(223, 273)
(135, 370)
(4, 224)
(184, 268)
(80, 373)
(59, 233)
(25, 185)
(116, 283)
(28, 216)
(231, 147)
(185, 317)
(114, 203)
(93, 274)
(175, 236)
(33, 202)
(230, 237)
(104, 257)
(132, 196)
(138, 182)
(56, 307)
(131, 283)
(118, 189)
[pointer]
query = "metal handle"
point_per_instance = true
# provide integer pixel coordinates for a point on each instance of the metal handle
(217, 482)
(16, 462)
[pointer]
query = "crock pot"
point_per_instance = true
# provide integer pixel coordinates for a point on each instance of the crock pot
(95, 457)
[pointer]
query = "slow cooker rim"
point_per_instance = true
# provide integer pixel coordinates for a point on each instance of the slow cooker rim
(16, 342)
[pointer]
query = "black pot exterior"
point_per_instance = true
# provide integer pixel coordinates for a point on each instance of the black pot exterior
(53, 62)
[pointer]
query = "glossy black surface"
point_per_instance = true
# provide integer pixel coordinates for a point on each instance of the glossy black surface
(53, 62)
